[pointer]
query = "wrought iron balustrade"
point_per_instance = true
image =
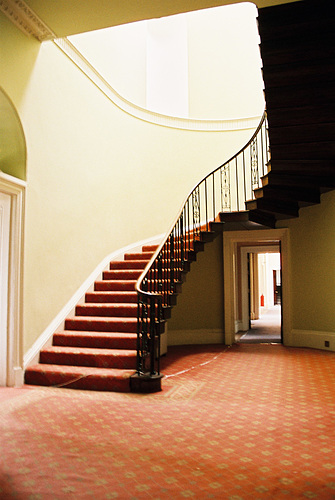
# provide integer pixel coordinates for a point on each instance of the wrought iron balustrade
(226, 189)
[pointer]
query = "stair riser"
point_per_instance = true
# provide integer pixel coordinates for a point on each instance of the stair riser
(90, 383)
(302, 133)
(298, 167)
(112, 297)
(275, 207)
(295, 32)
(298, 74)
(138, 256)
(121, 275)
(304, 95)
(286, 195)
(149, 248)
(128, 264)
(97, 325)
(303, 115)
(304, 52)
(101, 361)
(95, 341)
(112, 310)
(115, 286)
(300, 181)
(308, 151)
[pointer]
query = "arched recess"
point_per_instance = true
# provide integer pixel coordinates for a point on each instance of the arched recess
(268, 237)
(13, 153)
(12, 202)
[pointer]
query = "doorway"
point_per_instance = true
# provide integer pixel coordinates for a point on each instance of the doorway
(5, 202)
(239, 303)
(264, 289)
(12, 201)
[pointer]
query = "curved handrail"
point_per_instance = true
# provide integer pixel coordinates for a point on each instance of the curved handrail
(225, 189)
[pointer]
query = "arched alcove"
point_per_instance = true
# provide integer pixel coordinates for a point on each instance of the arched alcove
(12, 140)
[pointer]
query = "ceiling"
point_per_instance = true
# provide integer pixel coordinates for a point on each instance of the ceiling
(69, 17)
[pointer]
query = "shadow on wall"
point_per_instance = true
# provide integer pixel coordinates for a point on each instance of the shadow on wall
(12, 141)
(198, 317)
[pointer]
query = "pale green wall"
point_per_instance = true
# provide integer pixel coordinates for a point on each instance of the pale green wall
(200, 305)
(312, 250)
(98, 179)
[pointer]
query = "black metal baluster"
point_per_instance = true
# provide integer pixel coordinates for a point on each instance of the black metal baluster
(237, 186)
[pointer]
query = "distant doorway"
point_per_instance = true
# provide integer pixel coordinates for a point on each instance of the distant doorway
(239, 303)
(260, 295)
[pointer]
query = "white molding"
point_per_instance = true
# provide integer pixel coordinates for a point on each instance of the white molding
(29, 23)
(32, 355)
(26, 20)
(249, 123)
(195, 337)
(312, 338)
(16, 189)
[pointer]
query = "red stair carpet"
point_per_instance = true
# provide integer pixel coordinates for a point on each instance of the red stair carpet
(97, 349)
(253, 422)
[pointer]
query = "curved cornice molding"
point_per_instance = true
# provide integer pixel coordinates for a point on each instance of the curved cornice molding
(26, 20)
(143, 114)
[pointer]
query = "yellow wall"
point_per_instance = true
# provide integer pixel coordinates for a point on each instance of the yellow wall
(98, 179)
(312, 249)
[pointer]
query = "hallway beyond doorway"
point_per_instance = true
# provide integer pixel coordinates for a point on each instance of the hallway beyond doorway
(266, 329)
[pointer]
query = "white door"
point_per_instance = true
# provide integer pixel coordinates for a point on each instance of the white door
(5, 207)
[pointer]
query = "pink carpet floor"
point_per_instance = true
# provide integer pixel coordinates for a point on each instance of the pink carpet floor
(249, 422)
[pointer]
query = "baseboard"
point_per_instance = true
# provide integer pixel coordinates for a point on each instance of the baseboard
(45, 339)
(189, 337)
(312, 338)
(18, 376)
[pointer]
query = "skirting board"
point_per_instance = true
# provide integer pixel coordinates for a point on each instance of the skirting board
(32, 355)
(189, 337)
(313, 339)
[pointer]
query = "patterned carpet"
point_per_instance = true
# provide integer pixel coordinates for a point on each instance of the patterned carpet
(247, 422)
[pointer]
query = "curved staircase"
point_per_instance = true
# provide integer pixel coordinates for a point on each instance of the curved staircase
(101, 335)
(113, 341)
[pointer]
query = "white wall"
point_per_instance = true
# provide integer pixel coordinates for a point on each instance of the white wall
(224, 63)
(167, 66)
(204, 64)
(119, 54)
(267, 263)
